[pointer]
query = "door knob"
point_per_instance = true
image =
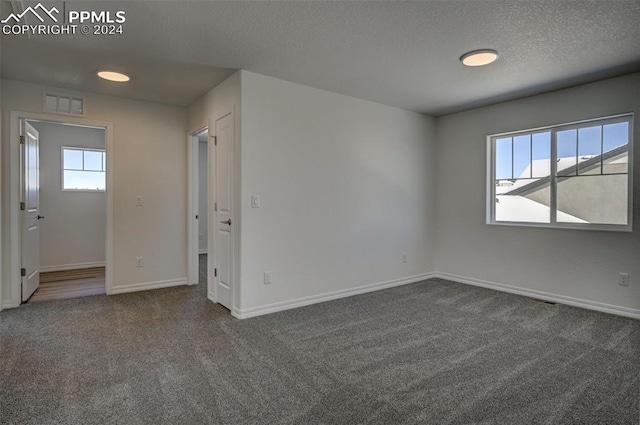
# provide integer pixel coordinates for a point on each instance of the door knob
(40, 217)
(226, 222)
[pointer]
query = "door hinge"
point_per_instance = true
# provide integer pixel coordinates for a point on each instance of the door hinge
(215, 272)
(23, 206)
(23, 272)
(22, 140)
(197, 217)
(215, 140)
(215, 206)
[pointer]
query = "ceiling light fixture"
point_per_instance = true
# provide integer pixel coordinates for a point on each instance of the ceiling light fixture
(115, 76)
(479, 57)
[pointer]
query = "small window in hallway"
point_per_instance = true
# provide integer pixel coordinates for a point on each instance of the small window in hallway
(83, 169)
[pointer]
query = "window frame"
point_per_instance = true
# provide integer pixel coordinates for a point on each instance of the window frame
(553, 178)
(82, 149)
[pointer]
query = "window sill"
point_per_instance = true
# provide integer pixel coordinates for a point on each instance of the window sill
(571, 226)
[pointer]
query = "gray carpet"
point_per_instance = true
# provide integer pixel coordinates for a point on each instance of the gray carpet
(434, 352)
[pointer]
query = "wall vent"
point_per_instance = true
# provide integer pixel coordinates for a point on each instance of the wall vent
(66, 104)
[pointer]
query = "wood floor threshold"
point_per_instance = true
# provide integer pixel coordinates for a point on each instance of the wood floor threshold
(64, 275)
(70, 284)
(72, 290)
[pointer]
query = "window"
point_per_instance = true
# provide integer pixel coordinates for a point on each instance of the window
(575, 175)
(83, 169)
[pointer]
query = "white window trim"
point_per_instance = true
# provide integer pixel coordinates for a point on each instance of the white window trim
(491, 178)
(62, 169)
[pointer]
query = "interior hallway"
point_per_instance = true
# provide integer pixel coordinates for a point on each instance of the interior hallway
(85, 282)
(70, 284)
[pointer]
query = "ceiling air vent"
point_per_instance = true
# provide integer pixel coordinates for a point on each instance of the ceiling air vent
(63, 104)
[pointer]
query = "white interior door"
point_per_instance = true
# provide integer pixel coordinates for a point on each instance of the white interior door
(30, 217)
(224, 214)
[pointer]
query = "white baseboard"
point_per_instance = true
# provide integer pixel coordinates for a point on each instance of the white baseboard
(7, 304)
(144, 286)
(75, 266)
(328, 296)
(203, 251)
(547, 296)
(211, 298)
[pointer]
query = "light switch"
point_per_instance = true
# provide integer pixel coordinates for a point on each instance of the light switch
(255, 201)
(139, 202)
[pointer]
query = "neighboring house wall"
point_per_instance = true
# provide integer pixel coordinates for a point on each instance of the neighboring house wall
(149, 160)
(579, 264)
(541, 195)
(203, 186)
(72, 234)
(347, 186)
(595, 199)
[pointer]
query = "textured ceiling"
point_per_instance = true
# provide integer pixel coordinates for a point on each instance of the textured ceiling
(399, 53)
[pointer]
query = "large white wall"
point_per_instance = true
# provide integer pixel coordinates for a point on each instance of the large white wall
(576, 264)
(72, 234)
(347, 186)
(149, 160)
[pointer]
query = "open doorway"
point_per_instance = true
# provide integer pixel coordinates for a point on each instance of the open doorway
(24, 183)
(64, 248)
(199, 205)
(203, 202)
(219, 267)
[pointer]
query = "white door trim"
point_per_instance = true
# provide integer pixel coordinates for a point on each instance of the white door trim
(193, 250)
(15, 243)
(212, 294)
(192, 208)
(193, 201)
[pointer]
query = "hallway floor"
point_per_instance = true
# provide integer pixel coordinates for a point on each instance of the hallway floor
(70, 284)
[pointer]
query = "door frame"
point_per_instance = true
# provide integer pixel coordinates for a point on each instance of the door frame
(193, 196)
(15, 218)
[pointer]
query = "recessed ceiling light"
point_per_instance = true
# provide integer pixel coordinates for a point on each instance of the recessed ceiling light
(479, 57)
(118, 77)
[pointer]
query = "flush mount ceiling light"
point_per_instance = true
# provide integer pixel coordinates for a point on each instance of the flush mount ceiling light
(115, 76)
(479, 57)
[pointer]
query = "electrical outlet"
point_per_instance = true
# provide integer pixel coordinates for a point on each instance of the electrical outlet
(139, 262)
(404, 257)
(623, 279)
(267, 278)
